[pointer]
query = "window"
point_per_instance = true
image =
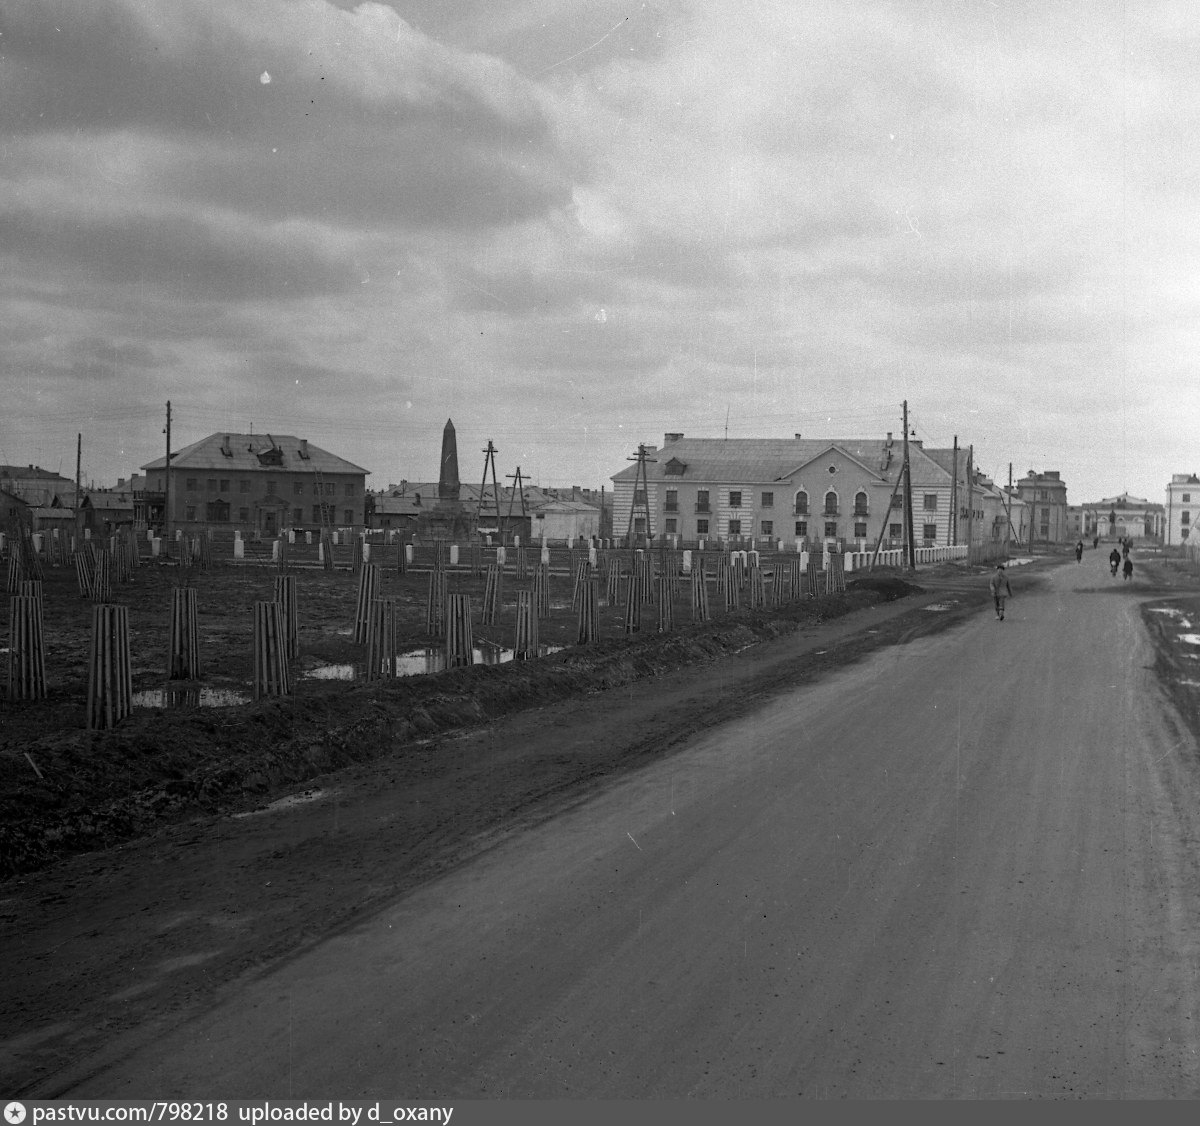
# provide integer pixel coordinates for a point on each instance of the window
(897, 501)
(802, 503)
(702, 502)
(189, 513)
(298, 488)
(217, 512)
(316, 516)
(860, 503)
(735, 527)
(1045, 514)
(831, 503)
(329, 488)
(768, 527)
(768, 500)
(930, 533)
(702, 527)
(297, 515)
(735, 499)
(211, 484)
(672, 501)
(349, 488)
(243, 485)
(931, 502)
(831, 529)
(349, 514)
(670, 525)
(1187, 498)
(860, 531)
(801, 528)
(676, 468)
(271, 486)
(896, 531)
(639, 497)
(244, 515)
(1185, 517)
(224, 484)
(192, 484)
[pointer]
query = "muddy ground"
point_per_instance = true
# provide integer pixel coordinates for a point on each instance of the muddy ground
(156, 865)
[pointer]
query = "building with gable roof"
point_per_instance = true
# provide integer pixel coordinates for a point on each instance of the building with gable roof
(259, 483)
(810, 490)
(1182, 509)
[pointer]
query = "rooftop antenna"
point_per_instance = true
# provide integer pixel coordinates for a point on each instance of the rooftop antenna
(727, 422)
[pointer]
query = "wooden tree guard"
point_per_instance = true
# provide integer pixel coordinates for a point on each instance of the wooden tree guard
(699, 595)
(460, 643)
(271, 676)
(368, 591)
(835, 580)
(26, 649)
(356, 551)
(757, 593)
(815, 577)
(723, 574)
(381, 639)
(521, 566)
(633, 605)
(666, 608)
(101, 581)
(733, 596)
(612, 586)
(33, 588)
(739, 571)
(435, 605)
(326, 549)
(16, 569)
(645, 573)
(776, 596)
(589, 598)
(281, 554)
(85, 574)
(526, 646)
(185, 553)
(401, 558)
(476, 560)
(439, 555)
(583, 572)
(285, 595)
(110, 680)
(794, 578)
(491, 595)
(183, 638)
(541, 588)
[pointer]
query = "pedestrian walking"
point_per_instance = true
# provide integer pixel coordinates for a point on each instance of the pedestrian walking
(999, 586)
(1114, 561)
(1127, 568)
(1079, 551)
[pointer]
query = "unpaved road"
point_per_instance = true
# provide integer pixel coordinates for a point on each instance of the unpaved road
(964, 867)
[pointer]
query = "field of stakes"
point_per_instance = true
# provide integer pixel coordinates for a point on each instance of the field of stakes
(64, 788)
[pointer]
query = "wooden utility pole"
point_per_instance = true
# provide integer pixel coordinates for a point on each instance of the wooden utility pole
(954, 497)
(1008, 511)
(910, 548)
(78, 499)
(640, 477)
(167, 488)
(970, 499)
(518, 490)
(490, 460)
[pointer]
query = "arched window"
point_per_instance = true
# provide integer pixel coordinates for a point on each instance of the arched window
(860, 503)
(831, 503)
(801, 503)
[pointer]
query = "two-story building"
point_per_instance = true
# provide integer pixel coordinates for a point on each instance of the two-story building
(1182, 509)
(810, 490)
(258, 483)
(1046, 495)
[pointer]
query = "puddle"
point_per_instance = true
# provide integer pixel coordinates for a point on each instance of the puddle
(939, 607)
(420, 662)
(1189, 638)
(289, 802)
(190, 698)
(1172, 612)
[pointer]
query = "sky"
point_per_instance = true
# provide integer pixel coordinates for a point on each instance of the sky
(574, 225)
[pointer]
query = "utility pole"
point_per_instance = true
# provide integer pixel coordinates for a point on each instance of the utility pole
(167, 488)
(954, 496)
(910, 548)
(1008, 509)
(490, 460)
(970, 499)
(518, 490)
(640, 478)
(78, 505)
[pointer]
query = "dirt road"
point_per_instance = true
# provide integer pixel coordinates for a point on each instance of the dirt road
(962, 867)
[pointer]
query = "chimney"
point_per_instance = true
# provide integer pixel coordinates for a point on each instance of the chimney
(673, 436)
(889, 438)
(797, 435)
(304, 447)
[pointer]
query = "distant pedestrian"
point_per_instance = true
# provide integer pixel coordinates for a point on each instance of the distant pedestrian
(1079, 551)
(998, 585)
(1127, 568)
(1114, 560)
(1095, 542)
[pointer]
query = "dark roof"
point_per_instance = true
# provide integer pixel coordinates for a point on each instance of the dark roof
(246, 454)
